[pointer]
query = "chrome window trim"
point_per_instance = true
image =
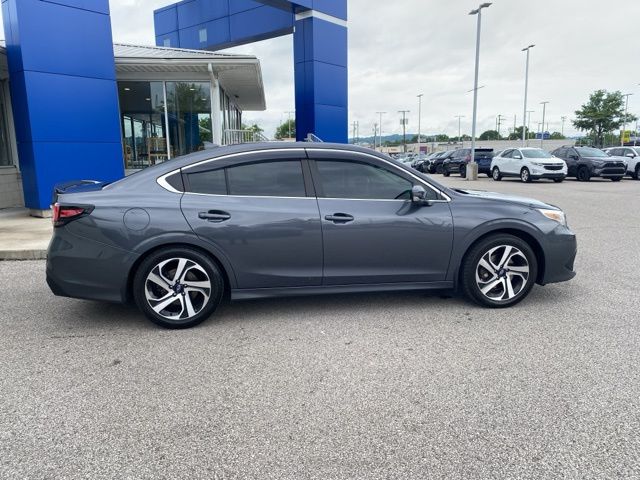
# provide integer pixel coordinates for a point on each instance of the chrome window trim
(239, 154)
(162, 181)
(245, 196)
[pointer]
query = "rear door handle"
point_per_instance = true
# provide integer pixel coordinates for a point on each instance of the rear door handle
(215, 216)
(339, 218)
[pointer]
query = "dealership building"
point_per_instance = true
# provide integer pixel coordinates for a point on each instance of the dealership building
(74, 105)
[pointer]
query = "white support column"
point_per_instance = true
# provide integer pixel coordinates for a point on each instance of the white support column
(216, 124)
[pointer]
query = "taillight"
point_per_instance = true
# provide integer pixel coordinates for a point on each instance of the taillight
(63, 214)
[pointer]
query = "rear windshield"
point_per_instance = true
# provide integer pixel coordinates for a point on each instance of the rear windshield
(536, 154)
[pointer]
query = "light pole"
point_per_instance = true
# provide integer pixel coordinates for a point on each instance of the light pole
(375, 135)
(563, 118)
(380, 113)
(459, 117)
(289, 122)
(478, 12)
(526, 91)
(626, 110)
(419, 120)
(404, 129)
(544, 111)
(529, 112)
(499, 124)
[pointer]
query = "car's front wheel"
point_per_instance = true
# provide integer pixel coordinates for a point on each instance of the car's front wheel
(616, 179)
(178, 287)
(445, 172)
(496, 175)
(499, 271)
(583, 174)
(525, 175)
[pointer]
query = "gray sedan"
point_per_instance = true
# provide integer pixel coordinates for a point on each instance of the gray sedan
(267, 220)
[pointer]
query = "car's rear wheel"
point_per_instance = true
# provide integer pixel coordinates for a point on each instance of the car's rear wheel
(178, 287)
(496, 175)
(499, 271)
(583, 174)
(636, 173)
(616, 179)
(463, 171)
(558, 180)
(525, 175)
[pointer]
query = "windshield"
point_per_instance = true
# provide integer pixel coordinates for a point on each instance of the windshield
(536, 153)
(590, 152)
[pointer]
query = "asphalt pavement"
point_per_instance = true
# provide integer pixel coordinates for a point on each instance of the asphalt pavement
(402, 385)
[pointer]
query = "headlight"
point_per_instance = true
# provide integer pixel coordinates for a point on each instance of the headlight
(537, 164)
(557, 215)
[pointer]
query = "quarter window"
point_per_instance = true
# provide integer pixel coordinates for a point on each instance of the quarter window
(267, 179)
(363, 181)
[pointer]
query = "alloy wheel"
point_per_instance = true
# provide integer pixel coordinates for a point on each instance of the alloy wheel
(177, 288)
(502, 273)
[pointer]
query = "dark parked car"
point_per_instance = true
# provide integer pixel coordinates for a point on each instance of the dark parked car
(586, 162)
(267, 220)
(437, 162)
(457, 163)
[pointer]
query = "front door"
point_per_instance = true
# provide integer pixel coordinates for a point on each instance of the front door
(372, 232)
(259, 213)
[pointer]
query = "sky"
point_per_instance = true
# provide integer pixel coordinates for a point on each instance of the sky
(400, 49)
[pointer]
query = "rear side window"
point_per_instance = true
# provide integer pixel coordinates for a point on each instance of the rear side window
(361, 181)
(267, 179)
(212, 182)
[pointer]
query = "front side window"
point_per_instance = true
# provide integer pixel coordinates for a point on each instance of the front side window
(267, 179)
(355, 180)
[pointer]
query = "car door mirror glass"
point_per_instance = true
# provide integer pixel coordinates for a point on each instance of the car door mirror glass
(419, 195)
(518, 157)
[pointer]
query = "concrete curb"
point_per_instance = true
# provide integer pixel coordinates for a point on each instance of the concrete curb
(9, 255)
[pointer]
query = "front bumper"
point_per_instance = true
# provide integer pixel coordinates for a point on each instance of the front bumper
(560, 252)
(609, 172)
(549, 175)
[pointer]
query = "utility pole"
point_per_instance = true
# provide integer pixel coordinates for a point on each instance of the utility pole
(419, 123)
(355, 126)
(459, 117)
(499, 124)
(404, 129)
(289, 121)
(526, 88)
(375, 134)
(626, 111)
(563, 118)
(544, 111)
(381, 113)
(474, 166)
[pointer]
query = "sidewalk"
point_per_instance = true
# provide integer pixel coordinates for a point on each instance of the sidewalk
(23, 237)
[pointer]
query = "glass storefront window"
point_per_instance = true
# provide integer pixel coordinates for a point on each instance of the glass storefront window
(143, 123)
(5, 156)
(189, 112)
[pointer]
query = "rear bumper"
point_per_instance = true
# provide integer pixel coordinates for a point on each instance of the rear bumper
(560, 254)
(78, 267)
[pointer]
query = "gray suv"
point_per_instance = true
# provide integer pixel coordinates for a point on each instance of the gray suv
(587, 162)
(279, 219)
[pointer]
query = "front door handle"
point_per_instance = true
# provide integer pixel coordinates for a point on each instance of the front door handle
(215, 216)
(339, 218)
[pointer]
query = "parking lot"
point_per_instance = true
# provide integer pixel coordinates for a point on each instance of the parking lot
(402, 385)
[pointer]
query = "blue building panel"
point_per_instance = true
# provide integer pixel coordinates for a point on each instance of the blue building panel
(320, 49)
(64, 95)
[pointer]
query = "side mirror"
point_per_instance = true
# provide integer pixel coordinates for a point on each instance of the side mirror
(573, 157)
(631, 155)
(419, 195)
(517, 157)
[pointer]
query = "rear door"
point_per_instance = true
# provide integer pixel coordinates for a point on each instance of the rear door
(372, 232)
(260, 211)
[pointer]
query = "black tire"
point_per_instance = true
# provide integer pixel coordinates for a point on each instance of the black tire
(488, 174)
(558, 180)
(616, 179)
(463, 171)
(496, 175)
(471, 263)
(525, 175)
(439, 168)
(583, 174)
(636, 173)
(199, 268)
(445, 172)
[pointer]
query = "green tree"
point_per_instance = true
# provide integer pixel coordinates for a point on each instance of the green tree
(557, 136)
(253, 128)
(517, 135)
(604, 112)
(286, 130)
(489, 135)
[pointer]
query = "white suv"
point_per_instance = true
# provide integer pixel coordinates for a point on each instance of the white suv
(631, 158)
(528, 164)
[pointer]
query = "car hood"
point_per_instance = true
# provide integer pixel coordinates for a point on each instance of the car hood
(529, 202)
(547, 161)
(607, 159)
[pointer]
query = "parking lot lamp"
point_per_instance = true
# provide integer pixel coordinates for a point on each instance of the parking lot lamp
(380, 124)
(404, 129)
(478, 12)
(544, 111)
(529, 112)
(419, 119)
(626, 111)
(459, 130)
(526, 90)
